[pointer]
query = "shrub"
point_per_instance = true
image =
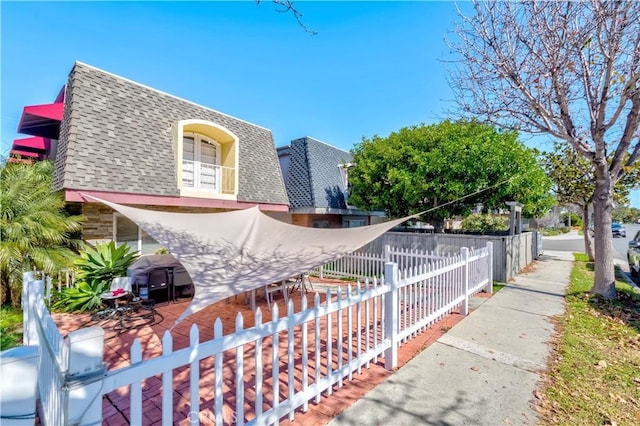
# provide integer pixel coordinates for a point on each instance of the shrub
(552, 232)
(105, 262)
(97, 267)
(575, 220)
(83, 297)
(484, 223)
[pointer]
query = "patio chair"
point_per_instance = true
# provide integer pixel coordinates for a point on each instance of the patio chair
(117, 300)
(123, 283)
(159, 280)
(302, 282)
(182, 283)
(120, 291)
(269, 289)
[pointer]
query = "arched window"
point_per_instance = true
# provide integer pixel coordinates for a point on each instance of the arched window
(207, 160)
(200, 162)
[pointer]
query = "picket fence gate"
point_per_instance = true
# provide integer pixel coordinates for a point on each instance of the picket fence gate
(250, 373)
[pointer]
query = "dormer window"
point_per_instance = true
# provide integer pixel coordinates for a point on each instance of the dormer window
(201, 163)
(344, 174)
(207, 160)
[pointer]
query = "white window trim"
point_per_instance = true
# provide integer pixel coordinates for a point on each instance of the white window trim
(179, 134)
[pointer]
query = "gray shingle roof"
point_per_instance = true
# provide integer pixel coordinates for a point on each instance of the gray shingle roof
(314, 176)
(117, 135)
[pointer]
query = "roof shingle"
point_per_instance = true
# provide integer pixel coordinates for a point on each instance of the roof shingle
(117, 135)
(314, 178)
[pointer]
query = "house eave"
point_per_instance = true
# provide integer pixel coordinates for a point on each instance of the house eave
(329, 210)
(76, 195)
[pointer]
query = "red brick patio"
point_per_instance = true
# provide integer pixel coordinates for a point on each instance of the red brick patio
(117, 355)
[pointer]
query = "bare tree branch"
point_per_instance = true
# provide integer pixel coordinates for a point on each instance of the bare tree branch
(287, 6)
(567, 69)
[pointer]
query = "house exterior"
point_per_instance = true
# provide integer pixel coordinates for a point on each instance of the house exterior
(128, 143)
(316, 178)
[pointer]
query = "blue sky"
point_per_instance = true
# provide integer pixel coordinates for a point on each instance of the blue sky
(373, 67)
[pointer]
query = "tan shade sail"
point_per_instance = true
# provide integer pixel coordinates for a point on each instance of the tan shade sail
(233, 252)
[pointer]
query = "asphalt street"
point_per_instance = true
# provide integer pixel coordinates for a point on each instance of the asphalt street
(577, 243)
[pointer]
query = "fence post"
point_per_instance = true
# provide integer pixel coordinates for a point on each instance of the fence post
(85, 373)
(391, 315)
(48, 288)
(321, 272)
(26, 277)
(387, 253)
(464, 309)
(489, 289)
(35, 301)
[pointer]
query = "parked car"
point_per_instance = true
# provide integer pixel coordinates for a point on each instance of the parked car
(633, 255)
(618, 230)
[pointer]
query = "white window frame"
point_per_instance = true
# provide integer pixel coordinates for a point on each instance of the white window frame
(198, 139)
(209, 129)
(138, 247)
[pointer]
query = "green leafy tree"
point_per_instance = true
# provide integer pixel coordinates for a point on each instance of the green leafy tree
(454, 165)
(626, 214)
(565, 69)
(572, 219)
(35, 232)
(573, 178)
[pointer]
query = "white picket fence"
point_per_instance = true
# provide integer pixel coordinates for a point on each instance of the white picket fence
(58, 281)
(261, 374)
(362, 265)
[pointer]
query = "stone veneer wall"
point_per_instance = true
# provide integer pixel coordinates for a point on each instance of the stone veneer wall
(99, 223)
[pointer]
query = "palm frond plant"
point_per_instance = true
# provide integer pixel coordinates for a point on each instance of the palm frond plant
(35, 231)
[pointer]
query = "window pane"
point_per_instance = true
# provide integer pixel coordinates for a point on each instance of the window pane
(126, 232)
(149, 245)
(208, 153)
(188, 148)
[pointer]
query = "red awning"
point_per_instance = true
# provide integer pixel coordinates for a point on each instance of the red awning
(42, 120)
(15, 152)
(34, 144)
(51, 111)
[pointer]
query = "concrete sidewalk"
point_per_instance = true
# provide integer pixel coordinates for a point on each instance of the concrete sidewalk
(573, 234)
(485, 369)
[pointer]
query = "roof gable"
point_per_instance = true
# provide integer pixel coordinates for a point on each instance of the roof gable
(314, 175)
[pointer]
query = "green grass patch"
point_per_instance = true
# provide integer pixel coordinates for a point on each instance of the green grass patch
(10, 327)
(552, 232)
(595, 375)
(497, 287)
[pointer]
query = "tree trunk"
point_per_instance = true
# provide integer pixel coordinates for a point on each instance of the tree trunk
(588, 242)
(4, 292)
(16, 295)
(604, 284)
